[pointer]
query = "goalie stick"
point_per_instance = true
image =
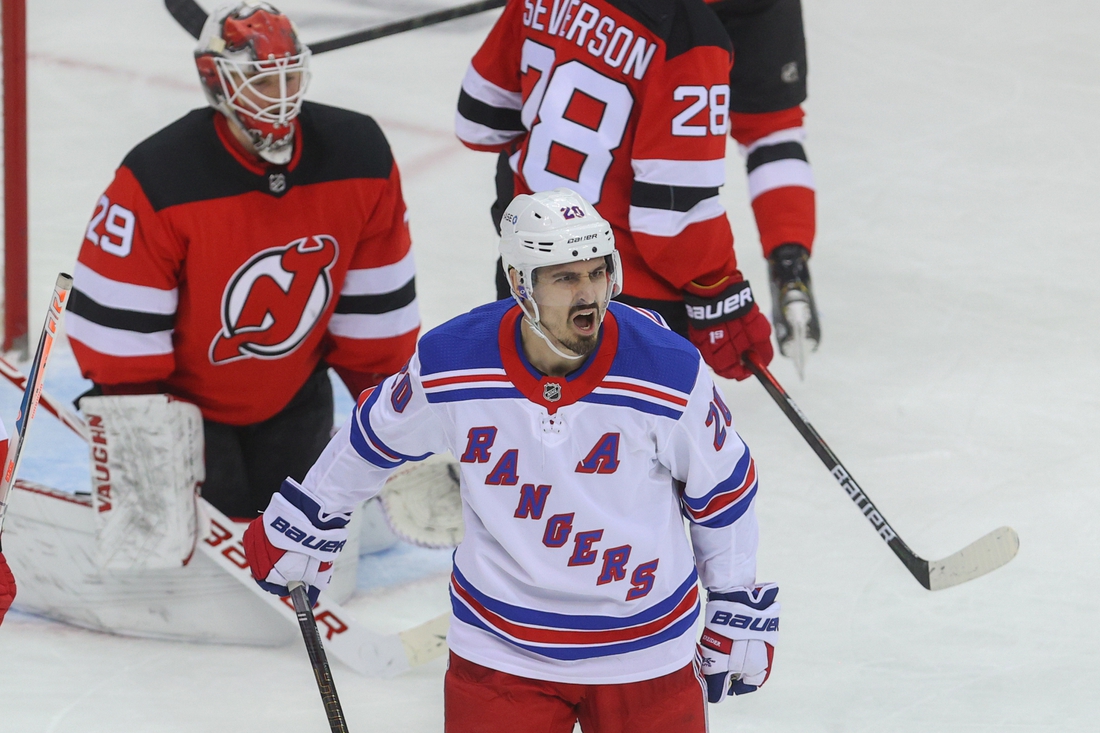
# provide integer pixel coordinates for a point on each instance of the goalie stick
(317, 658)
(976, 559)
(368, 653)
(191, 16)
(32, 388)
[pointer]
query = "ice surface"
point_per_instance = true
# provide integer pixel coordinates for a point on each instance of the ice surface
(957, 163)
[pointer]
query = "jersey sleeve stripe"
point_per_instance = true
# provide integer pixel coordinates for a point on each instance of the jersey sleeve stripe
(378, 303)
(117, 342)
(487, 115)
(481, 89)
(377, 280)
(788, 135)
(779, 174)
(368, 445)
(118, 318)
(691, 173)
(669, 198)
(733, 513)
(664, 223)
(473, 133)
(126, 296)
(772, 153)
(376, 325)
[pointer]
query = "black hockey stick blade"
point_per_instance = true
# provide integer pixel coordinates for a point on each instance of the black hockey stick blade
(189, 15)
(976, 559)
(317, 658)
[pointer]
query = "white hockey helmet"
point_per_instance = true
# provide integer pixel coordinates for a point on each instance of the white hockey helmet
(554, 228)
(241, 50)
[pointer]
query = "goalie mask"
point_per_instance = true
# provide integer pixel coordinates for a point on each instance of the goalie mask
(255, 71)
(554, 228)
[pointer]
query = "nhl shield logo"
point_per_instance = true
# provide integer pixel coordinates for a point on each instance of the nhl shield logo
(273, 301)
(551, 391)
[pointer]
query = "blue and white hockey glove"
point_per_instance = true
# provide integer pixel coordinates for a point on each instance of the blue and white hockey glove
(738, 640)
(294, 540)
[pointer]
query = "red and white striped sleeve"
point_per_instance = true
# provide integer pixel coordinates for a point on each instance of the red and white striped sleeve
(489, 105)
(781, 182)
(122, 311)
(377, 318)
(678, 161)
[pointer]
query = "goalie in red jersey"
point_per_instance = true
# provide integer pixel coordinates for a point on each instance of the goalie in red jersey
(241, 251)
(627, 103)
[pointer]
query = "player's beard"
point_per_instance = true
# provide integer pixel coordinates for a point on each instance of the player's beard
(577, 343)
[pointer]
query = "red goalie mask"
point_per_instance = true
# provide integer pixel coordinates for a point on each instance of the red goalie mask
(255, 71)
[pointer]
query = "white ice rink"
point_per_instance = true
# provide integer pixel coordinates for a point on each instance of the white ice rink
(958, 170)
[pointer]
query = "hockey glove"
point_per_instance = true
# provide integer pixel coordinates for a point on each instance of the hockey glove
(724, 325)
(294, 540)
(739, 640)
(7, 587)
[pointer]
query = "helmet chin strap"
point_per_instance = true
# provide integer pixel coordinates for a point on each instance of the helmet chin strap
(534, 322)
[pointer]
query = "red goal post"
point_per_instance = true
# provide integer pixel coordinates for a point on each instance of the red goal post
(14, 22)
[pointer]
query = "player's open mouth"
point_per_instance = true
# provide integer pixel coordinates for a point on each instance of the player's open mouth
(585, 321)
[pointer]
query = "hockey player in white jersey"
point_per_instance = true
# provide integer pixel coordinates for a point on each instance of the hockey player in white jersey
(586, 432)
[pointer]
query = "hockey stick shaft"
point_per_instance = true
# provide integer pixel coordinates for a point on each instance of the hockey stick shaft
(916, 565)
(32, 391)
(401, 26)
(317, 658)
(11, 372)
(191, 16)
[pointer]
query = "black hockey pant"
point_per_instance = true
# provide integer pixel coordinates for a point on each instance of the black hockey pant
(246, 464)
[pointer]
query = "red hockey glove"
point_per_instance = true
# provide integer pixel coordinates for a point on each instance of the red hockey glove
(738, 641)
(725, 325)
(294, 540)
(7, 587)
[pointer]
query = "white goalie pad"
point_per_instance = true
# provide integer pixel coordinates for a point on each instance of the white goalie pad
(147, 464)
(423, 504)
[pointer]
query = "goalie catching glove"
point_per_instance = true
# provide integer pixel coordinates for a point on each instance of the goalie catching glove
(294, 540)
(738, 641)
(724, 322)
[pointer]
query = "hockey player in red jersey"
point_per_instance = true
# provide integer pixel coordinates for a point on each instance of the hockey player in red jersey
(585, 433)
(767, 89)
(626, 102)
(243, 249)
(7, 587)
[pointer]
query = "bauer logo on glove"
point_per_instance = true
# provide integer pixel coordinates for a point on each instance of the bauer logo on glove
(738, 641)
(734, 302)
(279, 551)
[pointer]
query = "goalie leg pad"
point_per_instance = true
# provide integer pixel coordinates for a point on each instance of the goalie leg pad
(147, 465)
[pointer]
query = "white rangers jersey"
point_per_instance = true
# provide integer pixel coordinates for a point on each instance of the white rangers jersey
(575, 566)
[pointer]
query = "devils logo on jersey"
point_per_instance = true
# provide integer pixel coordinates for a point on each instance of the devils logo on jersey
(275, 299)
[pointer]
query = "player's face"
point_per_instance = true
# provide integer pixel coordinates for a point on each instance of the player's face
(571, 301)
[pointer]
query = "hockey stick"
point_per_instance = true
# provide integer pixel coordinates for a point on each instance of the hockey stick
(976, 559)
(364, 651)
(52, 406)
(32, 391)
(317, 658)
(191, 16)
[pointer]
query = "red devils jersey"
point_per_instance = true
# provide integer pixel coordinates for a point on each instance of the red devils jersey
(229, 281)
(625, 102)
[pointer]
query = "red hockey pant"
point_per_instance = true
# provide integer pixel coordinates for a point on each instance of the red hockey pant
(482, 700)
